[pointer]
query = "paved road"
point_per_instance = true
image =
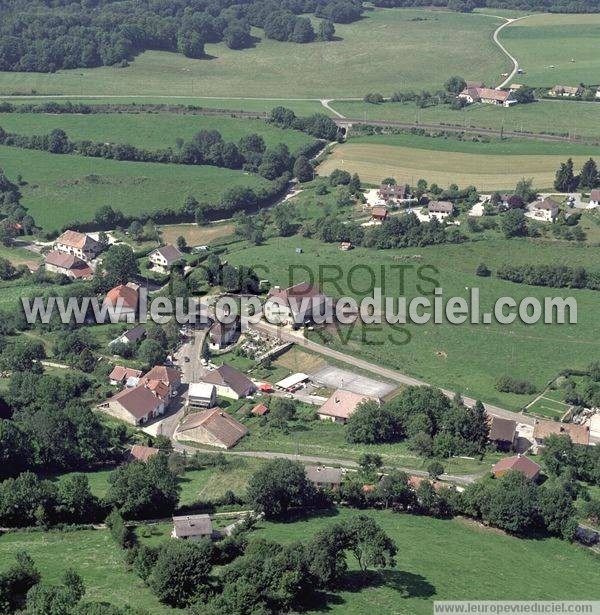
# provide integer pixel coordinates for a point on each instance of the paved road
(505, 50)
(384, 372)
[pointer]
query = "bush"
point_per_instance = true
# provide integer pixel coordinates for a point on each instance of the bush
(507, 384)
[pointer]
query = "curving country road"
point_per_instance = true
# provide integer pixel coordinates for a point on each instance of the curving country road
(512, 58)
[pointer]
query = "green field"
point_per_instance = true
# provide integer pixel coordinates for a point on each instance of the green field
(555, 49)
(551, 117)
(147, 130)
(93, 554)
(548, 408)
(456, 560)
(467, 357)
(386, 50)
(301, 106)
(63, 188)
(497, 165)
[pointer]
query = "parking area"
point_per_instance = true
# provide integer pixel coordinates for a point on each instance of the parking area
(337, 378)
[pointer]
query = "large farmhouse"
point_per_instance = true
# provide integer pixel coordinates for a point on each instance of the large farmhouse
(295, 304)
(78, 244)
(488, 96)
(213, 427)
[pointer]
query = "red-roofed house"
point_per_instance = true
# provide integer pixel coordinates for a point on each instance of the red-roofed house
(260, 410)
(517, 463)
(379, 214)
(136, 406)
(123, 299)
(141, 453)
(120, 374)
(67, 264)
(211, 427)
(170, 376)
(295, 304)
(341, 405)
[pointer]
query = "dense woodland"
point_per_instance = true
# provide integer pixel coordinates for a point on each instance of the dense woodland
(47, 36)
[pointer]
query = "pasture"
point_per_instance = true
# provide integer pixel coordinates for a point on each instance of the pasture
(551, 117)
(492, 565)
(147, 130)
(195, 235)
(93, 554)
(63, 188)
(431, 45)
(555, 49)
(489, 166)
(468, 357)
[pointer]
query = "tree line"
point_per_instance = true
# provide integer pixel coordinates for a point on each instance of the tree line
(466, 6)
(37, 36)
(557, 276)
(566, 180)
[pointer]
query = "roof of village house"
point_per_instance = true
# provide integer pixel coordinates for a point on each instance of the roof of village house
(502, 430)
(414, 482)
(519, 463)
(120, 373)
(220, 330)
(141, 453)
(260, 410)
(547, 203)
(134, 334)
(122, 296)
(201, 390)
(138, 401)
(579, 434)
(74, 239)
(322, 474)
(230, 377)
(595, 194)
(79, 268)
(379, 212)
(298, 291)
(218, 423)
(395, 189)
(192, 525)
(170, 253)
(166, 374)
(478, 93)
(566, 89)
(444, 207)
(158, 387)
(342, 404)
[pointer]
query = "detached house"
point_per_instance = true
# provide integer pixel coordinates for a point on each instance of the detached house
(546, 210)
(141, 453)
(324, 478)
(120, 374)
(519, 463)
(222, 335)
(487, 96)
(202, 395)
(67, 264)
(502, 433)
(392, 192)
(211, 427)
(341, 405)
(230, 382)
(135, 406)
(566, 91)
(165, 257)
(78, 244)
(595, 197)
(192, 527)
(294, 305)
(168, 377)
(440, 209)
(579, 434)
(123, 300)
(379, 214)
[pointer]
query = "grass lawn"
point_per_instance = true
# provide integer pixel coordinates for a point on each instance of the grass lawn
(63, 188)
(18, 255)
(327, 439)
(455, 560)
(93, 554)
(147, 130)
(555, 49)
(430, 44)
(548, 408)
(195, 235)
(489, 166)
(551, 117)
(469, 357)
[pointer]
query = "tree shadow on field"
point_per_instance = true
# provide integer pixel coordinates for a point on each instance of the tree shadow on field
(406, 584)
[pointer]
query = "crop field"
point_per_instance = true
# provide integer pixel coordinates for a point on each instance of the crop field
(454, 560)
(147, 130)
(430, 44)
(63, 188)
(489, 166)
(551, 117)
(95, 556)
(555, 49)
(469, 357)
